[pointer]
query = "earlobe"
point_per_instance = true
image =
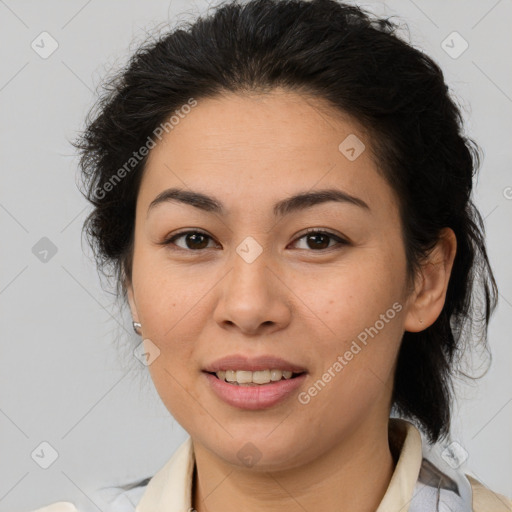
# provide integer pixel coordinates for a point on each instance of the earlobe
(429, 296)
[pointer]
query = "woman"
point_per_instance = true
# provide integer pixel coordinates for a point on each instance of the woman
(283, 192)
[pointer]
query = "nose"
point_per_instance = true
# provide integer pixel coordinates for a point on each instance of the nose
(253, 297)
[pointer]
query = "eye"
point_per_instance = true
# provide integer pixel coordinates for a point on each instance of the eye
(197, 240)
(194, 240)
(318, 239)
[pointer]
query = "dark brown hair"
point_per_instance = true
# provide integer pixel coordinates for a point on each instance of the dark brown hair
(359, 65)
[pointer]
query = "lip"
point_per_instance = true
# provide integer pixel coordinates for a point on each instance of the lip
(254, 397)
(252, 364)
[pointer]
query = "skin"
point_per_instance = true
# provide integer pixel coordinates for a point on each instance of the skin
(294, 301)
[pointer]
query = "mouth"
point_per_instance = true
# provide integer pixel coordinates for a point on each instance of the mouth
(251, 395)
(254, 383)
(254, 378)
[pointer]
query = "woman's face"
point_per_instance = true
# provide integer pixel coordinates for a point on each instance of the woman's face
(252, 285)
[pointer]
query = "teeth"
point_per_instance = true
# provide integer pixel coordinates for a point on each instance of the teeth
(260, 377)
(252, 378)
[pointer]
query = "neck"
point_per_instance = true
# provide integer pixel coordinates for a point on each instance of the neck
(352, 476)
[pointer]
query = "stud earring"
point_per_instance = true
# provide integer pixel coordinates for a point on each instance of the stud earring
(136, 327)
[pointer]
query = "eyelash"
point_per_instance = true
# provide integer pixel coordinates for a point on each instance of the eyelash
(170, 241)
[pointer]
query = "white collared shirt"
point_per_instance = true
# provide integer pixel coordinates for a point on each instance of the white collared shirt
(422, 481)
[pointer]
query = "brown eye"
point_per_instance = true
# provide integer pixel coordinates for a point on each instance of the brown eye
(320, 240)
(193, 240)
(197, 240)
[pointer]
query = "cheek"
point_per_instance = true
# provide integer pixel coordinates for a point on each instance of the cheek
(168, 295)
(358, 307)
(167, 303)
(350, 295)
(356, 371)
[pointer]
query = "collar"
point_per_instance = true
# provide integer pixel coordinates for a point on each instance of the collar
(170, 489)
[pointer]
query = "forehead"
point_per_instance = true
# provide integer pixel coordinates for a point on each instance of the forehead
(256, 146)
(280, 122)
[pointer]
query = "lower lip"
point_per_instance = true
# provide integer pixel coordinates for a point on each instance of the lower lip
(254, 397)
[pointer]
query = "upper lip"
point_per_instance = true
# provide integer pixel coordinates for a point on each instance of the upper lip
(253, 364)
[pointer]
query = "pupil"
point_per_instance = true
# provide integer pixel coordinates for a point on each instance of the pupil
(315, 238)
(316, 244)
(195, 237)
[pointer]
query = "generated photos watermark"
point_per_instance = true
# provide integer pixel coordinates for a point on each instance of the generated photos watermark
(143, 151)
(343, 360)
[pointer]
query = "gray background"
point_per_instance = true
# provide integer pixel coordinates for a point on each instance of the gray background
(68, 376)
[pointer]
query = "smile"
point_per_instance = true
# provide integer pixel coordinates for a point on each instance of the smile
(253, 396)
(256, 378)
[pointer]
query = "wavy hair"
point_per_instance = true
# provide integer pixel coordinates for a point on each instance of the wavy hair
(357, 64)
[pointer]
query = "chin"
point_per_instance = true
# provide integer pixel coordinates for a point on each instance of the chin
(259, 452)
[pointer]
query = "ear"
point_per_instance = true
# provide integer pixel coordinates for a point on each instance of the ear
(131, 301)
(427, 300)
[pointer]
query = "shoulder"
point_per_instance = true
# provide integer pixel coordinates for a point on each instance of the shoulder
(486, 500)
(59, 506)
(118, 498)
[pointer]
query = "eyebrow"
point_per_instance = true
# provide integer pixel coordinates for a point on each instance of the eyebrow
(295, 203)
